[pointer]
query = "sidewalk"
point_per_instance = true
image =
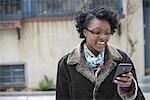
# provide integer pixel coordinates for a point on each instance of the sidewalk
(28, 96)
(38, 95)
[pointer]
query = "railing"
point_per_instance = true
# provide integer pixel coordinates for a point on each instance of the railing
(21, 9)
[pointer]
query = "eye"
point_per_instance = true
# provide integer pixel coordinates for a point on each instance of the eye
(109, 33)
(97, 32)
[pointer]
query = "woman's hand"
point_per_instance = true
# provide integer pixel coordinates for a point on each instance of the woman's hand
(125, 80)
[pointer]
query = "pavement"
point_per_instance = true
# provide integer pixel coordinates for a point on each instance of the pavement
(42, 97)
(145, 86)
(147, 96)
(28, 96)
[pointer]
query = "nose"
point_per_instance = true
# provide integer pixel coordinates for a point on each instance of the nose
(103, 35)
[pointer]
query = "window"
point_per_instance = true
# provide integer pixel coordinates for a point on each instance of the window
(10, 7)
(53, 7)
(109, 3)
(12, 76)
(146, 3)
(17, 9)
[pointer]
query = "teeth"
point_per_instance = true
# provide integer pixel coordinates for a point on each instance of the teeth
(101, 43)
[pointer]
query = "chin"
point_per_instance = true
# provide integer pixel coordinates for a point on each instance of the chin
(101, 47)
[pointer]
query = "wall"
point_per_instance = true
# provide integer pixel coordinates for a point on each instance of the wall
(131, 40)
(8, 47)
(43, 43)
(41, 46)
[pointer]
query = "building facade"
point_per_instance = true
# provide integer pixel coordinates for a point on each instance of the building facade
(32, 47)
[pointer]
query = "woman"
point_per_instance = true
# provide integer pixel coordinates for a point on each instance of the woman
(87, 72)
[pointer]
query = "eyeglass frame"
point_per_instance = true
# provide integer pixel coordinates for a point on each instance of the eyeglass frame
(100, 33)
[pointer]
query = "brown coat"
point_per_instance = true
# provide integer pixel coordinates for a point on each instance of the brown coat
(76, 80)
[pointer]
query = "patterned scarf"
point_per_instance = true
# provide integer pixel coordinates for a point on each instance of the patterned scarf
(95, 62)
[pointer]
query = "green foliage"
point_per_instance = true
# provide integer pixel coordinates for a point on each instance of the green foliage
(46, 84)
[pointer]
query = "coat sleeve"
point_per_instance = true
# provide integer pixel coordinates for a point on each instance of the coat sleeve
(139, 95)
(63, 82)
(135, 92)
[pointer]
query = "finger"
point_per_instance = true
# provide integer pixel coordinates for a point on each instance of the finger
(128, 74)
(125, 79)
(123, 84)
(120, 82)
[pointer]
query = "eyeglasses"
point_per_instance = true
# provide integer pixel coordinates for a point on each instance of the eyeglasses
(99, 33)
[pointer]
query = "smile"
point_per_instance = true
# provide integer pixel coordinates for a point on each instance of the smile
(101, 43)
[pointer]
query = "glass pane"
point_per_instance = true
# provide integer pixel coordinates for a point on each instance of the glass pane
(18, 73)
(10, 9)
(3, 80)
(109, 3)
(5, 73)
(3, 67)
(18, 79)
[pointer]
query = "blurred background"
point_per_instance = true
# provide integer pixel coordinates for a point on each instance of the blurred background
(35, 34)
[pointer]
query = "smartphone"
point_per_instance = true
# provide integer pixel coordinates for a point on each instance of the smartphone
(122, 68)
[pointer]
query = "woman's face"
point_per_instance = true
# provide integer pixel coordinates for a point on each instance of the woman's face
(97, 35)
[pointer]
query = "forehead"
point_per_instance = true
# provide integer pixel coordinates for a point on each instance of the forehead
(99, 23)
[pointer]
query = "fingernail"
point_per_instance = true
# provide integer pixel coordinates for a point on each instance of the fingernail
(115, 81)
(118, 78)
(123, 74)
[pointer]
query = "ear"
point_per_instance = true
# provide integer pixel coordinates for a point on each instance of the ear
(85, 33)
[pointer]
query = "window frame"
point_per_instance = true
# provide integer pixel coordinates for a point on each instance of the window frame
(17, 81)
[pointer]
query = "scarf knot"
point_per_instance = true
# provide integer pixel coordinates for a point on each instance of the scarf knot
(94, 61)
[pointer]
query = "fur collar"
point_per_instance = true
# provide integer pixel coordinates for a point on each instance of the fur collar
(75, 57)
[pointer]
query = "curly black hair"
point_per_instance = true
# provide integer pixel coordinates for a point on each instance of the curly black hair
(84, 18)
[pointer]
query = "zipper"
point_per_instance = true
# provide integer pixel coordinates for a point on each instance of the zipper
(94, 91)
(96, 85)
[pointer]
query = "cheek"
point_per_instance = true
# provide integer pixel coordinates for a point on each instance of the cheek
(107, 38)
(91, 41)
